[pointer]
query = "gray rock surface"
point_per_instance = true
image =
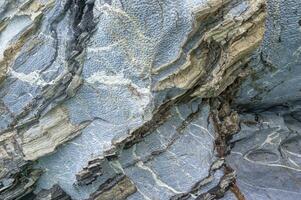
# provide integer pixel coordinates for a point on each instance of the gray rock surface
(266, 152)
(275, 76)
(150, 99)
(266, 155)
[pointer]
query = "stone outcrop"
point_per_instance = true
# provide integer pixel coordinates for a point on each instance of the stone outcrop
(53, 193)
(149, 99)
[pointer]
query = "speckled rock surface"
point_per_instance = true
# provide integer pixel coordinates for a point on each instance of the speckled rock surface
(149, 99)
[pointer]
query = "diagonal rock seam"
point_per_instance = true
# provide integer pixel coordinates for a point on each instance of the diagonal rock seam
(160, 116)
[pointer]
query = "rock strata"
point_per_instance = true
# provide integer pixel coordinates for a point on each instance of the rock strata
(149, 99)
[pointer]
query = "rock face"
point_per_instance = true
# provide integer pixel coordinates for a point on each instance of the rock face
(266, 152)
(150, 99)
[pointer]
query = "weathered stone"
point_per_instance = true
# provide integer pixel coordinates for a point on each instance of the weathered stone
(149, 99)
(52, 130)
(274, 78)
(266, 156)
(55, 193)
(118, 188)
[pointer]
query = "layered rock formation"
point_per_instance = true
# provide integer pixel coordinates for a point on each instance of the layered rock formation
(149, 99)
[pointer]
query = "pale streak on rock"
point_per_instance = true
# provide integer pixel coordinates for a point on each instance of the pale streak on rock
(102, 78)
(156, 178)
(33, 78)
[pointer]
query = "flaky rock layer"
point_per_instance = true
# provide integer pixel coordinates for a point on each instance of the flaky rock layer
(149, 99)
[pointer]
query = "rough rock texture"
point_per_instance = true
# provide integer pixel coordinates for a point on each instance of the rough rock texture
(150, 99)
(266, 152)
(53, 193)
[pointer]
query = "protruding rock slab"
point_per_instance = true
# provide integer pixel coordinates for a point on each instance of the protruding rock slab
(55, 193)
(118, 188)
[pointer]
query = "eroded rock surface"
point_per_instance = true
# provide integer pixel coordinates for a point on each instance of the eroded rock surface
(149, 99)
(267, 147)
